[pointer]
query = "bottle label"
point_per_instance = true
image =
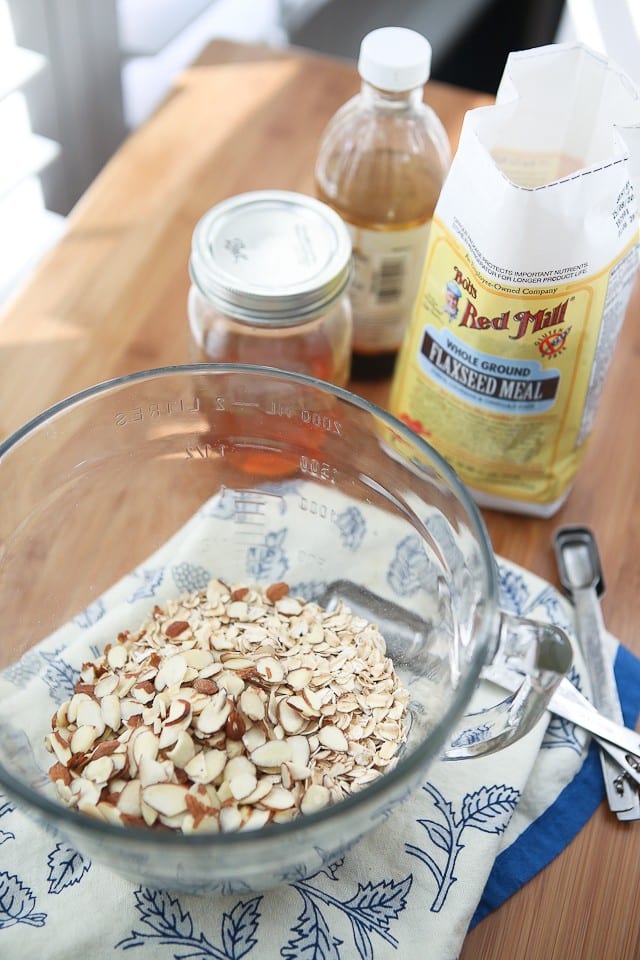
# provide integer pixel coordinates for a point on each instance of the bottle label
(388, 264)
(503, 377)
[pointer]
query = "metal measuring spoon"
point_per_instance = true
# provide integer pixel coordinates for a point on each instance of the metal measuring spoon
(581, 576)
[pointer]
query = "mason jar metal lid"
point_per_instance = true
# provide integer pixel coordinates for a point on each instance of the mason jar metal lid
(271, 256)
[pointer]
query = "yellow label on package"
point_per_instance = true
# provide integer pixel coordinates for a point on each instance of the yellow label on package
(502, 376)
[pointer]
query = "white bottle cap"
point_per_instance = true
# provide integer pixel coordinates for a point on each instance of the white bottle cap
(394, 58)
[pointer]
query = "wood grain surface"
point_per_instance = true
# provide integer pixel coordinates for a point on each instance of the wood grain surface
(111, 299)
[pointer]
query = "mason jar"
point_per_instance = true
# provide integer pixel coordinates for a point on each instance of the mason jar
(270, 272)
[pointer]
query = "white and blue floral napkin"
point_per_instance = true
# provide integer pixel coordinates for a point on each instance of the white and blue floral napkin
(474, 833)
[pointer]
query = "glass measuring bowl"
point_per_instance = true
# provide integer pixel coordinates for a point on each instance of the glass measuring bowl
(142, 487)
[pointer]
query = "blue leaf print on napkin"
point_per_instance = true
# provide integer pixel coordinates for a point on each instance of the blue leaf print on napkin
(17, 903)
(151, 579)
(59, 676)
(352, 526)
(24, 670)
(311, 938)
(309, 589)
(488, 809)
(239, 928)
(269, 560)
(370, 910)
(472, 735)
(172, 926)
(190, 576)
(66, 867)
(409, 570)
(90, 615)
(514, 592)
(554, 610)
(6, 807)
(330, 869)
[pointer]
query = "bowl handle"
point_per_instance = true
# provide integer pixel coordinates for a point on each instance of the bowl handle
(530, 661)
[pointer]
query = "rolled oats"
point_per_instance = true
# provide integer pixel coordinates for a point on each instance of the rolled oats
(233, 708)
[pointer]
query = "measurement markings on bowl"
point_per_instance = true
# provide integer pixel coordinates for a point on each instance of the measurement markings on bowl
(205, 451)
(246, 403)
(252, 512)
(323, 420)
(159, 408)
(318, 509)
(319, 469)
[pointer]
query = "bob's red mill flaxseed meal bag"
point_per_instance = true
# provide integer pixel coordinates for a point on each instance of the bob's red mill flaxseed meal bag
(532, 254)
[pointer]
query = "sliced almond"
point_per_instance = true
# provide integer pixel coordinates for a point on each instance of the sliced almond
(89, 714)
(106, 748)
(272, 754)
(171, 673)
(230, 819)
(270, 669)
(262, 788)
(333, 738)
(234, 662)
(179, 713)
(117, 657)
(276, 591)
(252, 704)
(110, 813)
(83, 739)
(300, 678)
(291, 720)
(86, 790)
(106, 685)
(145, 744)
(237, 610)
(254, 737)
(242, 785)
(214, 716)
(149, 815)
(300, 750)
(288, 606)
(298, 771)
(111, 711)
(182, 751)
(60, 746)
(215, 590)
(278, 799)
(59, 772)
(206, 766)
(168, 799)
(235, 725)
(143, 692)
(205, 685)
(316, 797)
(232, 708)
(256, 819)
(154, 771)
(99, 770)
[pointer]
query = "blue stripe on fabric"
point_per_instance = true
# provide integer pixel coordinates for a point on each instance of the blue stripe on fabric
(543, 840)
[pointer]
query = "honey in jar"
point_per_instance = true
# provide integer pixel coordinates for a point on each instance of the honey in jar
(270, 272)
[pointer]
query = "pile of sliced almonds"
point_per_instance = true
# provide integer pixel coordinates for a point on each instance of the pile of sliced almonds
(233, 708)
